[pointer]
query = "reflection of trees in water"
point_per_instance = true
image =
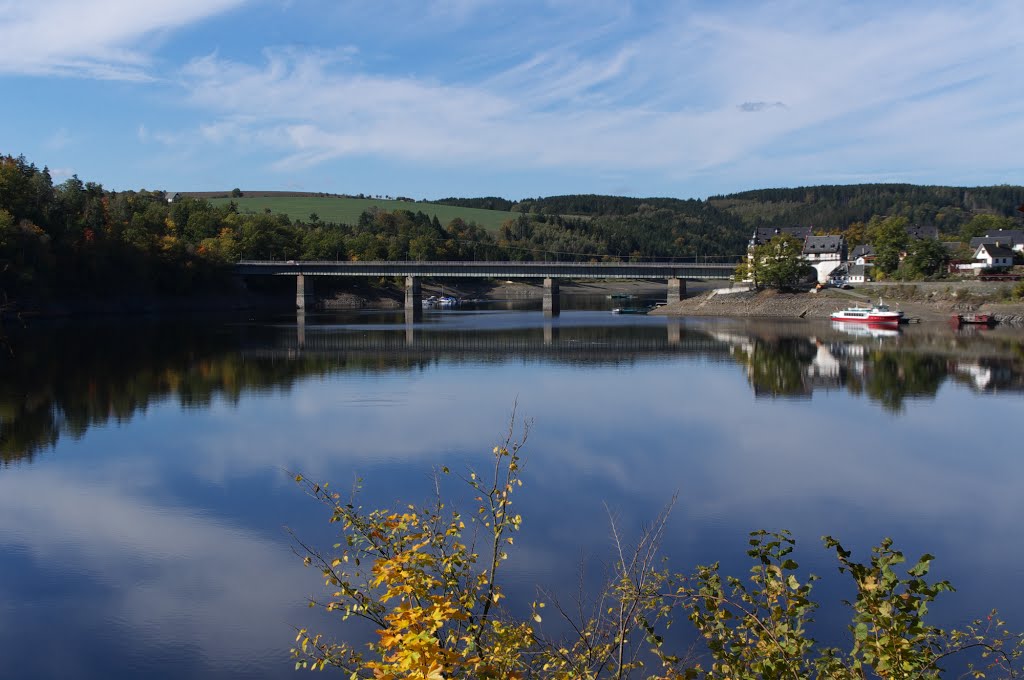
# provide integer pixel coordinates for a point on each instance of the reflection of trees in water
(778, 367)
(61, 383)
(892, 377)
(794, 367)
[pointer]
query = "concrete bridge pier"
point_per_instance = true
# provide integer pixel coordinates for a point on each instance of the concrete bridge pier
(300, 328)
(676, 290)
(413, 299)
(551, 307)
(303, 292)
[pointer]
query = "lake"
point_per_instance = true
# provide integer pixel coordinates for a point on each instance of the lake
(145, 482)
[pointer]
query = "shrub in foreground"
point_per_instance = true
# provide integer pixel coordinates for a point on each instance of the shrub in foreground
(427, 580)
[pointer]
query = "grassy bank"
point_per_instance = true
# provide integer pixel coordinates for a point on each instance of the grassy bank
(346, 210)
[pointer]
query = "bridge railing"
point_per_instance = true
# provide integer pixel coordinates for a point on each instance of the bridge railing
(489, 269)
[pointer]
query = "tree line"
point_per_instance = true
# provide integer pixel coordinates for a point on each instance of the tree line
(827, 207)
(76, 237)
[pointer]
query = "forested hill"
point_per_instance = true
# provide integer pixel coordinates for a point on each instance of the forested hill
(827, 207)
(835, 206)
(76, 238)
(588, 205)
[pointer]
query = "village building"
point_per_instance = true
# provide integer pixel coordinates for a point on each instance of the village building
(824, 253)
(762, 235)
(1008, 238)
(923, 232)
(863, 254)
(847, 274)
(991, 256)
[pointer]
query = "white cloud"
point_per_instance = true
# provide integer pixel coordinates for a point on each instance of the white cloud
(96, 39)
(676, 99)
(61, 174)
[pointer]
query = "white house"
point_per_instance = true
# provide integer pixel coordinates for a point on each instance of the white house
(858, 274)
(991, 256)
(863, 255)
(824, 253)
(848, 272)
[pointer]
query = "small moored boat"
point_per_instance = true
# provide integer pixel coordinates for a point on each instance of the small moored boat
(976, 318)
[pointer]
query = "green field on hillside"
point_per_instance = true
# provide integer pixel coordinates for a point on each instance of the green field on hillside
(347, 210)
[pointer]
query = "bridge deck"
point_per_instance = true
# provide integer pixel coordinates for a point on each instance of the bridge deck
(493, 270)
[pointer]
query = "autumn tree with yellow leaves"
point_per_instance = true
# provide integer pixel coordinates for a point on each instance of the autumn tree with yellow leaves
(428, 580)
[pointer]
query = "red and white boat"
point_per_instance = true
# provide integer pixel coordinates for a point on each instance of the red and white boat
(878, 315)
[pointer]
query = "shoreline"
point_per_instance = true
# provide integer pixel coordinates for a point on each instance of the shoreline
(924, 303)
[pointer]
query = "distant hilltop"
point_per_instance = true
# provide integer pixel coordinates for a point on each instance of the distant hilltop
(238, 193)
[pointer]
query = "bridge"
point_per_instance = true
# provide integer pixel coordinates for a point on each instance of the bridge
(675, 273)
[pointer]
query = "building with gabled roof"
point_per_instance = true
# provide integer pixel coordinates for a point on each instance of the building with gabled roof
(923, 232)
(1009, 238)
(825, 253)
(762, 235)
(848, 273)
(992, 256)
(863, 254)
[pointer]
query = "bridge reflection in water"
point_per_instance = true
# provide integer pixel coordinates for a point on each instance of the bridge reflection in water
(549, 339)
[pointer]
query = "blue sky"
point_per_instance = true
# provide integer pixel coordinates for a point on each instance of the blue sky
(528, 98)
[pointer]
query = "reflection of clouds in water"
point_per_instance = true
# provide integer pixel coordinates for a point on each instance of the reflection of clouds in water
(653, 428)
(171, 576)
(626, 436)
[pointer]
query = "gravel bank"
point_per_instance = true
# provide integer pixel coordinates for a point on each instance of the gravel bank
(919, 304)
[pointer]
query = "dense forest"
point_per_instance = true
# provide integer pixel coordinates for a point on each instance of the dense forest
(831, 207)
(76, 238)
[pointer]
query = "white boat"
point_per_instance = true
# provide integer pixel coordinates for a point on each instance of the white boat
(447, 301)
(879, 314)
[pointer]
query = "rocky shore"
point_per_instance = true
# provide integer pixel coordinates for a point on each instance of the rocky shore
(920, 302)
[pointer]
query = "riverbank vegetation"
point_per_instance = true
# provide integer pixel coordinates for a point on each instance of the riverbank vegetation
(778, 263)
(75, 238)
(428, 581)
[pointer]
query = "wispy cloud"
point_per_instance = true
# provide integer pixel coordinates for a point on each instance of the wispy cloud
(98, 39)
(674, 96)
(716, 95)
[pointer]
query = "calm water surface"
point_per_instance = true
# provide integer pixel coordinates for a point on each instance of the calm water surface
(143, 484)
